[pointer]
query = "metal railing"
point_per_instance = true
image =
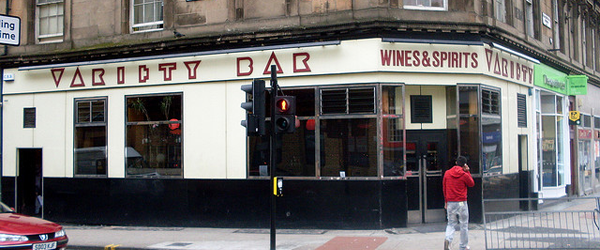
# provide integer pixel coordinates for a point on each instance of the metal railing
(569, 223)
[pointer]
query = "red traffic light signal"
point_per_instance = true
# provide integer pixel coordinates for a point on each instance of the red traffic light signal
(285, 114)
(283, 105)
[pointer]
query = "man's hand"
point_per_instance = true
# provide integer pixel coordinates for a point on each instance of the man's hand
(466, 168)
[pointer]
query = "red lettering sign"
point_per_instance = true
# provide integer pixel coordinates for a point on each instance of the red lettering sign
(121, 75)
(192, 68)
(57, 75)
(167, 69)
(435, 59)
(250, 66)
(585, 134)
(143, 73)
(272, 58)
(305, 57)
(77, 77)
(505, 67)
(98, 77)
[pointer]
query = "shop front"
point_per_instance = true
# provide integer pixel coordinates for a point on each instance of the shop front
(158, 141)
(554, 110)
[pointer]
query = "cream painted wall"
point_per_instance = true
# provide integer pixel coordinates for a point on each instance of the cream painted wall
(204, 150)
(438, 94)
(47, 135)
(204, 130)
(510, 129)
(15, 136)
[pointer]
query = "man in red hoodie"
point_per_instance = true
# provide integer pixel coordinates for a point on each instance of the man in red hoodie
(455, 184)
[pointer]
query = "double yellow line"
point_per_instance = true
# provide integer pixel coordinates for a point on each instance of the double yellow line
(111, 247)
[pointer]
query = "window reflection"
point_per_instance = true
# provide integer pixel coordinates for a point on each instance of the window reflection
(90, 137)
(393, 131)
(350, 147)
(550, 126)
(154, 136)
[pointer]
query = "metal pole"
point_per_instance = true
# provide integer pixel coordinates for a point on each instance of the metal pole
(272, 166)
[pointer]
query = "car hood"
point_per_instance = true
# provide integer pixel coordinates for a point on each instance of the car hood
(13, 223)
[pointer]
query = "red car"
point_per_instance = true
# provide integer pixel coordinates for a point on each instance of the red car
(19, 231)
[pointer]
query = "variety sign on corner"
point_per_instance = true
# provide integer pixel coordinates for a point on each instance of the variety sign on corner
(551, 79)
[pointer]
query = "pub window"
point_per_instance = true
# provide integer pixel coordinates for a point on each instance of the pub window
(28, 117)
(296, 155)
(392, 108)
(596, 122)
(146, 15)
(153, 136)
(491, 129)
(346, 143)
(90, 137)
(50, 20)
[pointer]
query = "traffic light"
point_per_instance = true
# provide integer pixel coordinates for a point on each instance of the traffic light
(285, 114)
(255, 108)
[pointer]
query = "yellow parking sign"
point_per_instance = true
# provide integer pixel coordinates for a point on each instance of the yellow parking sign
(574, 118)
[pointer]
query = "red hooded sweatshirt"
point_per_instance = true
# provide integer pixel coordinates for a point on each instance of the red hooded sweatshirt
(455, 182)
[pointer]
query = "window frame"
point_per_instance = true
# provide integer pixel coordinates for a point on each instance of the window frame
(427, 8)
(128, 123)
(49, 38)
(91, 123)
(159, 23)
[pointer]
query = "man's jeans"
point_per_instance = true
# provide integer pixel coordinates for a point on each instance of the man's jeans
(460, 209)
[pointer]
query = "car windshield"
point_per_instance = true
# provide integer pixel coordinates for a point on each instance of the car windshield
(5, 208)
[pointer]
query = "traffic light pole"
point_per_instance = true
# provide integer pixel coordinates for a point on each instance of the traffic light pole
(272, 154)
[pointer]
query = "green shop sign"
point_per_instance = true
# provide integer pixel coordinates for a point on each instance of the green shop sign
(551, 79)
(577, 84)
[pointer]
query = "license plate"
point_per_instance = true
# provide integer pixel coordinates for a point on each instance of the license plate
(44, 246)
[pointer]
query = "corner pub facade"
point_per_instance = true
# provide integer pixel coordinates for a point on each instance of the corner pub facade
(158, 141)
(154, 139)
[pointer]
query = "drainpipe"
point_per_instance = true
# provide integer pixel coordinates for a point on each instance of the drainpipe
(2, 108)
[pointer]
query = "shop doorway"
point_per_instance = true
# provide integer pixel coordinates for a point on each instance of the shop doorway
(29, 182)
(426, 160)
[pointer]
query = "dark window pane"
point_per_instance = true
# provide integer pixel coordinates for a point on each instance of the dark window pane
(361, 100)
(154, 136)
(90, 150)
(90, 137)
(153, 108)
(305, 101)
(468, 100)
(421, 109)
(469, 141)
(98, 111)
(333, 101)
(29, 118)
(521, 111)
(83, 111)
(349, 147)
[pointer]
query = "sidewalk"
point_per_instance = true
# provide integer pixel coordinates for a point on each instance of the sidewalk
(419, 236)
(425, 236)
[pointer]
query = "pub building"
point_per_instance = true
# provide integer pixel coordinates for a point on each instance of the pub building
(157, 141)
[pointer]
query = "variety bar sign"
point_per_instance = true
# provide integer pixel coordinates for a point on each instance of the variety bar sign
(348, 57)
